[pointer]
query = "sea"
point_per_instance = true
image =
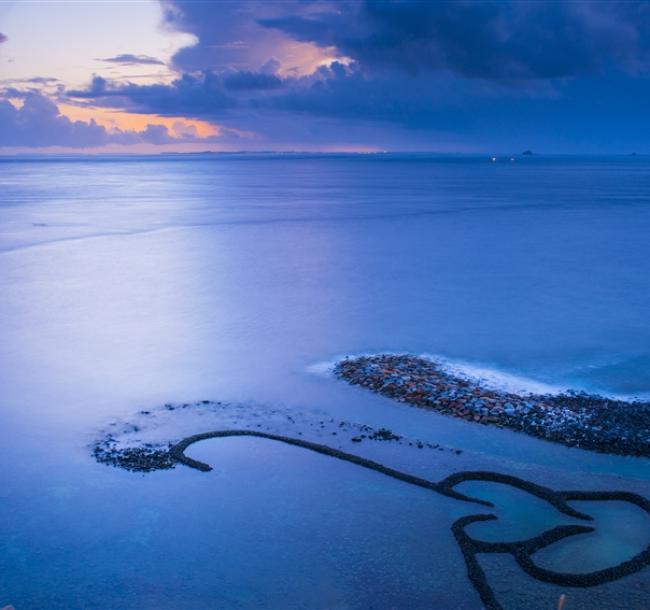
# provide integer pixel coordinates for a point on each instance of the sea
(132, 282)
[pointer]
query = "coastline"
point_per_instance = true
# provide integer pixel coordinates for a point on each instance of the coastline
(575, 419)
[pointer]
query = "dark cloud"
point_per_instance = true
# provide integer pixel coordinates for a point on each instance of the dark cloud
(494, 40)
(128, 59)
(242, 81)
(3, 38)
(336, 91)
(98, 88)
(339, 91)
(200, 95)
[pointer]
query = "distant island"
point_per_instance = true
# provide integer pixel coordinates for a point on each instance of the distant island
(528, 152)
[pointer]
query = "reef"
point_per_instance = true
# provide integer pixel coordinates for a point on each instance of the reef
(575, 419)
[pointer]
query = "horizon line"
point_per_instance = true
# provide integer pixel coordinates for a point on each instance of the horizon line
(493, 155)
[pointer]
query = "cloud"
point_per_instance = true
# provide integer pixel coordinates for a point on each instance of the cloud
(338, 91)
(39, 81)
(408, 62)
(200, 95)
(128, 59)
(491, 40)
(38, 123)
(494, 40)
(156, 134)
(42, 80)
(3, 38)
(345, 92)
(455, 71)
(246, 80)
(227, 34)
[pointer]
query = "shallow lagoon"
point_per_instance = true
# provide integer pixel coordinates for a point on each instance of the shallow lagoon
(131, 283)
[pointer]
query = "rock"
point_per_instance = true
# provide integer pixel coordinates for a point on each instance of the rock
(574, 418)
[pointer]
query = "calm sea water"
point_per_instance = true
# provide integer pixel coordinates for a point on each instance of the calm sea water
(130, 282)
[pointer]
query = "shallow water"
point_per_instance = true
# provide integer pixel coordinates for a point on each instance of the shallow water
(130, 283)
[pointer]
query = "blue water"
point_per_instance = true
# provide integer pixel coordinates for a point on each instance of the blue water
(128, 282)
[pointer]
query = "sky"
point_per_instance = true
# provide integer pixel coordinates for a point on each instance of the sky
(325, 75)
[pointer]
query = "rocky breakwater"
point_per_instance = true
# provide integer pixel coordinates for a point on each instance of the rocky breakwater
(575, 419)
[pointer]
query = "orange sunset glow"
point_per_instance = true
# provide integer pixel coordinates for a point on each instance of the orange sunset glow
(130, 121)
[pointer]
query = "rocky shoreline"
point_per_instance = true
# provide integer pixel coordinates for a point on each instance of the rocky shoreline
(576, 419)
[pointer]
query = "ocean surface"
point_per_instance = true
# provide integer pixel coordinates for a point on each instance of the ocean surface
(127, 283)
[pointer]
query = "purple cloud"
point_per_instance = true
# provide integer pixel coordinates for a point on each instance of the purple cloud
(337, 91)
(3, 38)
(198, 96)
(228, 34)
(128, 59)
(42, 80)
(243, 81)
(38, 123)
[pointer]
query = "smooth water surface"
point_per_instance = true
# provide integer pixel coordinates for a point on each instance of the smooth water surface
(127, 283)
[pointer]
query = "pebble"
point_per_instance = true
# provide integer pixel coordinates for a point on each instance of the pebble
(573, 418)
